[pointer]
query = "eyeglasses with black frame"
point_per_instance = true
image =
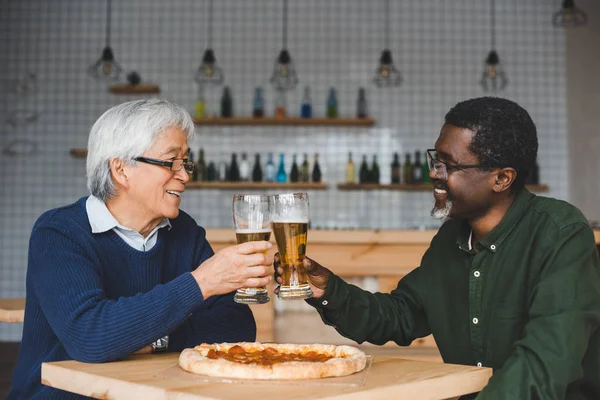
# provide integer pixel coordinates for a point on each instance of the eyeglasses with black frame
(441, 169)
(174, 165)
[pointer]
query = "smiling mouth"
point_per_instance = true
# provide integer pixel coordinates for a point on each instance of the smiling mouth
(174, 193)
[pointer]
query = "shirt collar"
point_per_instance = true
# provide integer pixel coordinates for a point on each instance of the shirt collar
(101, 220)
(493, 240)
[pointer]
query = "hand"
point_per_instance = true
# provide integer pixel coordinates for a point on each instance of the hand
(144, 350)
(245, 265)
(318, 276)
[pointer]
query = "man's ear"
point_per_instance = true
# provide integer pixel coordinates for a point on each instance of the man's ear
(118, 171)
(505, 177)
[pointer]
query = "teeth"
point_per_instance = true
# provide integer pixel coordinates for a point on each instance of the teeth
(441, 191)
(178, 194)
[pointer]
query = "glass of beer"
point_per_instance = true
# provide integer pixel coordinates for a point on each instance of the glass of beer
(289, 213)
(252, 222)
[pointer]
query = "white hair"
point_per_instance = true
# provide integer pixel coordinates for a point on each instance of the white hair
(126, 131)
(442, 213)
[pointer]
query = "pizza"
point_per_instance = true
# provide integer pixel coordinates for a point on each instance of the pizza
(254, 360)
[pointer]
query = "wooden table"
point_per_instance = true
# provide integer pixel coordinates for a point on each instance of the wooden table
(139, 377)
(12, 310)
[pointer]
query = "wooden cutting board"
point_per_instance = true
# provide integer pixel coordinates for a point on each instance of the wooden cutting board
(143, 377)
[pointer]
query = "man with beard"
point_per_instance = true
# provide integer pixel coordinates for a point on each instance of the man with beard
(510, 281)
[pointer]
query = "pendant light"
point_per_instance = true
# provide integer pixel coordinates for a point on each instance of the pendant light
(386, 74)
(569, 16)
(106, 68)
(284, 72)
(209, 71)
(493, 77)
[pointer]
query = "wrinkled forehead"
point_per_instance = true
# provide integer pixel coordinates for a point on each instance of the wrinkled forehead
(171, 142)
(453, 144)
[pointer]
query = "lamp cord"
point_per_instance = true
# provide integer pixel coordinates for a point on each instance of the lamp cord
(387, 25)
(209, 19)
(493, 24)
(108, 23)
(285, 14)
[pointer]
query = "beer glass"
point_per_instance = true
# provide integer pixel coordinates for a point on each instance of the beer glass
(252, 222)
(289, 213)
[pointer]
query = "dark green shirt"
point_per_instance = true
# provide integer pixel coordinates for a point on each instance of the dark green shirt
(527, 303)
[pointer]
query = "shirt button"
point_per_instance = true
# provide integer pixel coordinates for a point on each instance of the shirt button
(493, 247)
(475, 321)
(325, 302)
(479, 364)
(476, 274)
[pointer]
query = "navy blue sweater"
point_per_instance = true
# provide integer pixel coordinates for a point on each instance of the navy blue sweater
(93, 298)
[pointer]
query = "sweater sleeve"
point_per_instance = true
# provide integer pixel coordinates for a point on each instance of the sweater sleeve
(219, 319)
(92, 328)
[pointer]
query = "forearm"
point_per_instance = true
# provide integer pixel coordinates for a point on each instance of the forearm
(363, 316)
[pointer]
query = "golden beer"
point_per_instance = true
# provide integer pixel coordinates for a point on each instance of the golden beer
(291, 243)
(258, 295)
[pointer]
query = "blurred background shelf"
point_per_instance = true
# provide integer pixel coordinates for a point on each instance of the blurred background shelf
(134, 89)
(292, 121)
(413, 188)
(256, 185)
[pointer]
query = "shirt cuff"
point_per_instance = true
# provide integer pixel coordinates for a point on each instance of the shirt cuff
(334, 297)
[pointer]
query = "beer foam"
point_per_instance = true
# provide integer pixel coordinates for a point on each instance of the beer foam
(264, 230)
(291, 221)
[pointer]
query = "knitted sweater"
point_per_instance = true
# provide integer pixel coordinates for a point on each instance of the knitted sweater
(93, 298)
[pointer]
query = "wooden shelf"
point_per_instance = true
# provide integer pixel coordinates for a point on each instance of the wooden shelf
(78, 153)
(256, 185)
(413, 188)
(292, 121)
(134, 89)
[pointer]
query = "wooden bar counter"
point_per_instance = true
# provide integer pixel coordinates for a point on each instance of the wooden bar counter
(12, 310)
(157, 377)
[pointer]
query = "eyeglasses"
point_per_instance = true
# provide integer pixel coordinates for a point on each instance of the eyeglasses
(174, 165)
(441, 169)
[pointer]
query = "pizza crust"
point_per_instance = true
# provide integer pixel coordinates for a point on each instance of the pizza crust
(346, 360)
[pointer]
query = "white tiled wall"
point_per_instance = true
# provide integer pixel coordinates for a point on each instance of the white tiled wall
(438, 45)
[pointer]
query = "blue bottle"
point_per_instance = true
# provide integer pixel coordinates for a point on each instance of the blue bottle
(306, 108)
(270, 169)
(281, 175)
(258, 105)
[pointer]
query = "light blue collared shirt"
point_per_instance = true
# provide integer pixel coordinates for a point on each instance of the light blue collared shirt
(101, 220)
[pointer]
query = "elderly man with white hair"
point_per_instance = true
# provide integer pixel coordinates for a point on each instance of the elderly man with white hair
(125, 270)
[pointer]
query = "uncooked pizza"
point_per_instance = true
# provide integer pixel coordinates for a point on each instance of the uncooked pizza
(253, 360)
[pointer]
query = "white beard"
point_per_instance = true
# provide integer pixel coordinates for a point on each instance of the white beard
(442, 213)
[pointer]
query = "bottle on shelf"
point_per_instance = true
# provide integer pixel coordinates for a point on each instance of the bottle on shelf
(201, 167)
(258, 104)
(350, 172)
(364, 176)
(407, 174)
(280, 104)
(426, 177)
(396, 169)
(257, 173)
(200, 105)
(316, 172)
(361, 104)
(332, 104)
(244, 168)
(281, 175)
(223, 171)
(375, 170)
(226, 103)
(234, 169)
(306, 107)
(417, 169)
(270, 169)
(305, 172)
(193, 175)
(295, 172)
(211, 172)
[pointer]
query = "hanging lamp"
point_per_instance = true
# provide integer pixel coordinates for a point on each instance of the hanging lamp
(209, 71)
(569, 16)
(386, 74)
(284, 72)
(106, 68)
(493, 77)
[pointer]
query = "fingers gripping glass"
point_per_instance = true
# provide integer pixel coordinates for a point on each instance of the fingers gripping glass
(252, 222)
(174, 165)
(441, 169)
